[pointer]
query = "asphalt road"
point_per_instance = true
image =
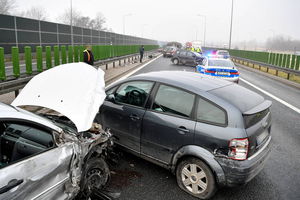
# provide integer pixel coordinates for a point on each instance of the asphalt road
(280, 179)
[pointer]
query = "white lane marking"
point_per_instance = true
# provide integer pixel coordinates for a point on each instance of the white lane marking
(134, 71)
(273, 96)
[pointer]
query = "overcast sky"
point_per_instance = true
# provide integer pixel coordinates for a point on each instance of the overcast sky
(178, 20)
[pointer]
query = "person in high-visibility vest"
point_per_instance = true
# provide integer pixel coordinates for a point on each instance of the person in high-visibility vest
(193, 49)
(88, 56)
(198, 50)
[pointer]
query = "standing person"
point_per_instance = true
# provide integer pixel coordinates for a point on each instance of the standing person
(142, 49)
(88, 56)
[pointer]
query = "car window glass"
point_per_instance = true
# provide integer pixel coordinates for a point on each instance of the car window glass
(221, 63)
(18, 141)
(112, 90)
(183, 53)
(208, 112)
(133, 93)
(190, 54)
(172, 100)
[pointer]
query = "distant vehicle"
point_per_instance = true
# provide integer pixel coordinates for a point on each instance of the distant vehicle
(169, 52)
(186, 58)
(209, 132)
(222, 54)
(219, 67)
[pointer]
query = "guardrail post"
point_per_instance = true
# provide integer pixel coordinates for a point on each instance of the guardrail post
(48, 57)
(56, 55)
(119, 62)
(63, 50)
(106, 66)
(114, 64)
(28, 60)
(81, 49)
(297, 63)
(70, 54)
(2, 65)
(16, 63)
(39, 58)
(76, 54)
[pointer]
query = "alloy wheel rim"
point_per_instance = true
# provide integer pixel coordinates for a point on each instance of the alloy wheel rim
(194, 178)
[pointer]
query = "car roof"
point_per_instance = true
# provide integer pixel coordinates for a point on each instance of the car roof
(11, 112)
(218, 59)
(222, 51)
(191, 81)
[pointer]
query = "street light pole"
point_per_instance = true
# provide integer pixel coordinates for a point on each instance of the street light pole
(129, 14)
(143, 25)
(71, 21)
(231, 24)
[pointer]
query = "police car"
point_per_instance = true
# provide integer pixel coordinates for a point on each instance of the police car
(219, 67)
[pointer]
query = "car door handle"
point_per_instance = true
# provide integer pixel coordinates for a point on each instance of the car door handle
(182, 130)
(134, 117)
(11, 184)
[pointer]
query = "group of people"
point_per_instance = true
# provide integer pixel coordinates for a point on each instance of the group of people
(88, 56)
(194, 49)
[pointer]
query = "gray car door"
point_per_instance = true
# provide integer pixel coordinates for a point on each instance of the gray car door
(33, 170)
(190, 58)
(167, 125)
(124, 115)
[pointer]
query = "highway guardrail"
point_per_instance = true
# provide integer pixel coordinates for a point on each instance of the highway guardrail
(289, 74)
(14, 83)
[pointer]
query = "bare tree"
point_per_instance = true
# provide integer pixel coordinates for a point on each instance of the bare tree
(83, 21)
(65, 18)
(281, 43)
(36, 13)
(98, 22)
(6, 6)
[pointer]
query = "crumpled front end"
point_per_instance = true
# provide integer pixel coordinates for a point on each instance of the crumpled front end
(88, 167)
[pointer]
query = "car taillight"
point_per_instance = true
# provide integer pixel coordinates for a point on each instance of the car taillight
(209, 71)
(235, 73)
(238, 149)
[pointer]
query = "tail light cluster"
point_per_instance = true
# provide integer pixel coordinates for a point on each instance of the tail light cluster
(238, 148)
(210, 71)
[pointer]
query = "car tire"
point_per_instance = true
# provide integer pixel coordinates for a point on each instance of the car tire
(95, 175)
(196, 178)
(176, 61)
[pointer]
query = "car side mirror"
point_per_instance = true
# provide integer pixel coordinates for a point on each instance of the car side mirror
(111, 98)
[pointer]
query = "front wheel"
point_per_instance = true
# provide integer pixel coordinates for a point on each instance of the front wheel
(176, 61)
(195, 177)
(95, 175)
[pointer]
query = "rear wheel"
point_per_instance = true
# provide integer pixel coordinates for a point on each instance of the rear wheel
(195, 177)
(176, 61)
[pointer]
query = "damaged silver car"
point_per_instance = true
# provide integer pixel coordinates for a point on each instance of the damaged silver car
(54, 151)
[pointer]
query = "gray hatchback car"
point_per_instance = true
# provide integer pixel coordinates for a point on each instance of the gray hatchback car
(209, 132)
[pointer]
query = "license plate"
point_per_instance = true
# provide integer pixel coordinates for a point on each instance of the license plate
(262, 137)
(223, 73)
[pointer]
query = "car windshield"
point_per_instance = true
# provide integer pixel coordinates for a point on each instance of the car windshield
(221, 63)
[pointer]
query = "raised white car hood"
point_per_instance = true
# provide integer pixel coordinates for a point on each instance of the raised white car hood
(75, 90)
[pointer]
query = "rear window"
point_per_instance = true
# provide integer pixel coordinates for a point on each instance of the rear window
(221, 63)
(224, 53)
(250, 120)
(240, 97)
